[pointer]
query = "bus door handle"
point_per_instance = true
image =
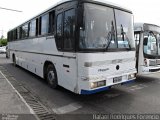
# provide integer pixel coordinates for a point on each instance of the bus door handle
(67, 66)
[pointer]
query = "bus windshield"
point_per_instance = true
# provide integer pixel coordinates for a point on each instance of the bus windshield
(106, 28)
(124, 22)
(151, 43)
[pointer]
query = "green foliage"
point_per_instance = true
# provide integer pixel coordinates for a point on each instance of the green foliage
(3, 42)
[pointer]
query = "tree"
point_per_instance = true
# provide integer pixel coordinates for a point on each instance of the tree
(3, 42)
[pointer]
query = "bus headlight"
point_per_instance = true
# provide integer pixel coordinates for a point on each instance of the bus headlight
(97, 84)
(93, 85)
(131, 76)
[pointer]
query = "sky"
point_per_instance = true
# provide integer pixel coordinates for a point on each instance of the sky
(143, 10)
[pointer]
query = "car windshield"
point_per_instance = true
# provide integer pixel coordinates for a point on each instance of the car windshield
(101, 31)
(151, 43)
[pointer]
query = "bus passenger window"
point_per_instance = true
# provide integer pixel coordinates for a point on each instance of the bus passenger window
(69, 29)
(32, 31)
(44, 24)
(18, 33)
(59, 35)
(37, 27)
(24, 31)
(51, 22)
(12, 35)
(15, 34)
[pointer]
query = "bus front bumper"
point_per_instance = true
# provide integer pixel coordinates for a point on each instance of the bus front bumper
(88, 92)
(147, 70)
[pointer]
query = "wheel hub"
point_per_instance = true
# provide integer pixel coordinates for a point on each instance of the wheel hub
(51, 77)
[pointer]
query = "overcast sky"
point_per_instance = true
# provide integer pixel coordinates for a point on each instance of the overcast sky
(144, 11)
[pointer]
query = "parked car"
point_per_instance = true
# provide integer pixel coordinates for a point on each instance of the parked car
(3, 49)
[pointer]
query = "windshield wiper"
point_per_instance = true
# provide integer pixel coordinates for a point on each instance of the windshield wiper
(123, 34)
(110, 35)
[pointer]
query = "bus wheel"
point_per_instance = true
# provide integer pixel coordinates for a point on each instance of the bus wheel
(51, 76)
(14, 60)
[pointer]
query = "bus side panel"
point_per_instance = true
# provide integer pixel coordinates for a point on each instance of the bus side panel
(30, 62)
(68, 74)
(32, 54)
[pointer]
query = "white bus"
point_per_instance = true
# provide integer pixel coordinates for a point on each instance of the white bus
(147, 39)
(85, 46)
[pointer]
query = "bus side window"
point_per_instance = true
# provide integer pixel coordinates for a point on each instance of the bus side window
(15, 34)
(69, 29)
(145, 41)
(24, 31)
(18, 33)
(37, 27)
(10, 36)
(32, 31)
(59, 33)
(44, 24)
(51, 22)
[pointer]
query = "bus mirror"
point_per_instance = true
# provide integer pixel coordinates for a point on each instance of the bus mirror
(145, 41)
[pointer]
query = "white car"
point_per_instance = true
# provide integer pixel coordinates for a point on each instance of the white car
(3, 49)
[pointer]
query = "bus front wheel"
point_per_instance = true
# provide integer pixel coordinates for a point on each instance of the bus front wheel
(51, 76)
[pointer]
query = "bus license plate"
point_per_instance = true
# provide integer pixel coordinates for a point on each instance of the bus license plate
(117, 79)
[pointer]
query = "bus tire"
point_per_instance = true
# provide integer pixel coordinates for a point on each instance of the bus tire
(51, 76)
(14, 60)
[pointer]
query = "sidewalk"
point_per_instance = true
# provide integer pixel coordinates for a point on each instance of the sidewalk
(12, 106)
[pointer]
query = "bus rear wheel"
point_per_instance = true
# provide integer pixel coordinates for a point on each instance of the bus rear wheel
(51, 76)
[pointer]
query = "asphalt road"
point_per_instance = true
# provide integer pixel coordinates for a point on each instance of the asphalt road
(141, 97)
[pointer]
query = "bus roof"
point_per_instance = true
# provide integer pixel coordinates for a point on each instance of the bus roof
(146, 27)
(101, 2)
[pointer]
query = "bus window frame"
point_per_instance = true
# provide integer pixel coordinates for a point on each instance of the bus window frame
(61, 10)
(73, 42)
